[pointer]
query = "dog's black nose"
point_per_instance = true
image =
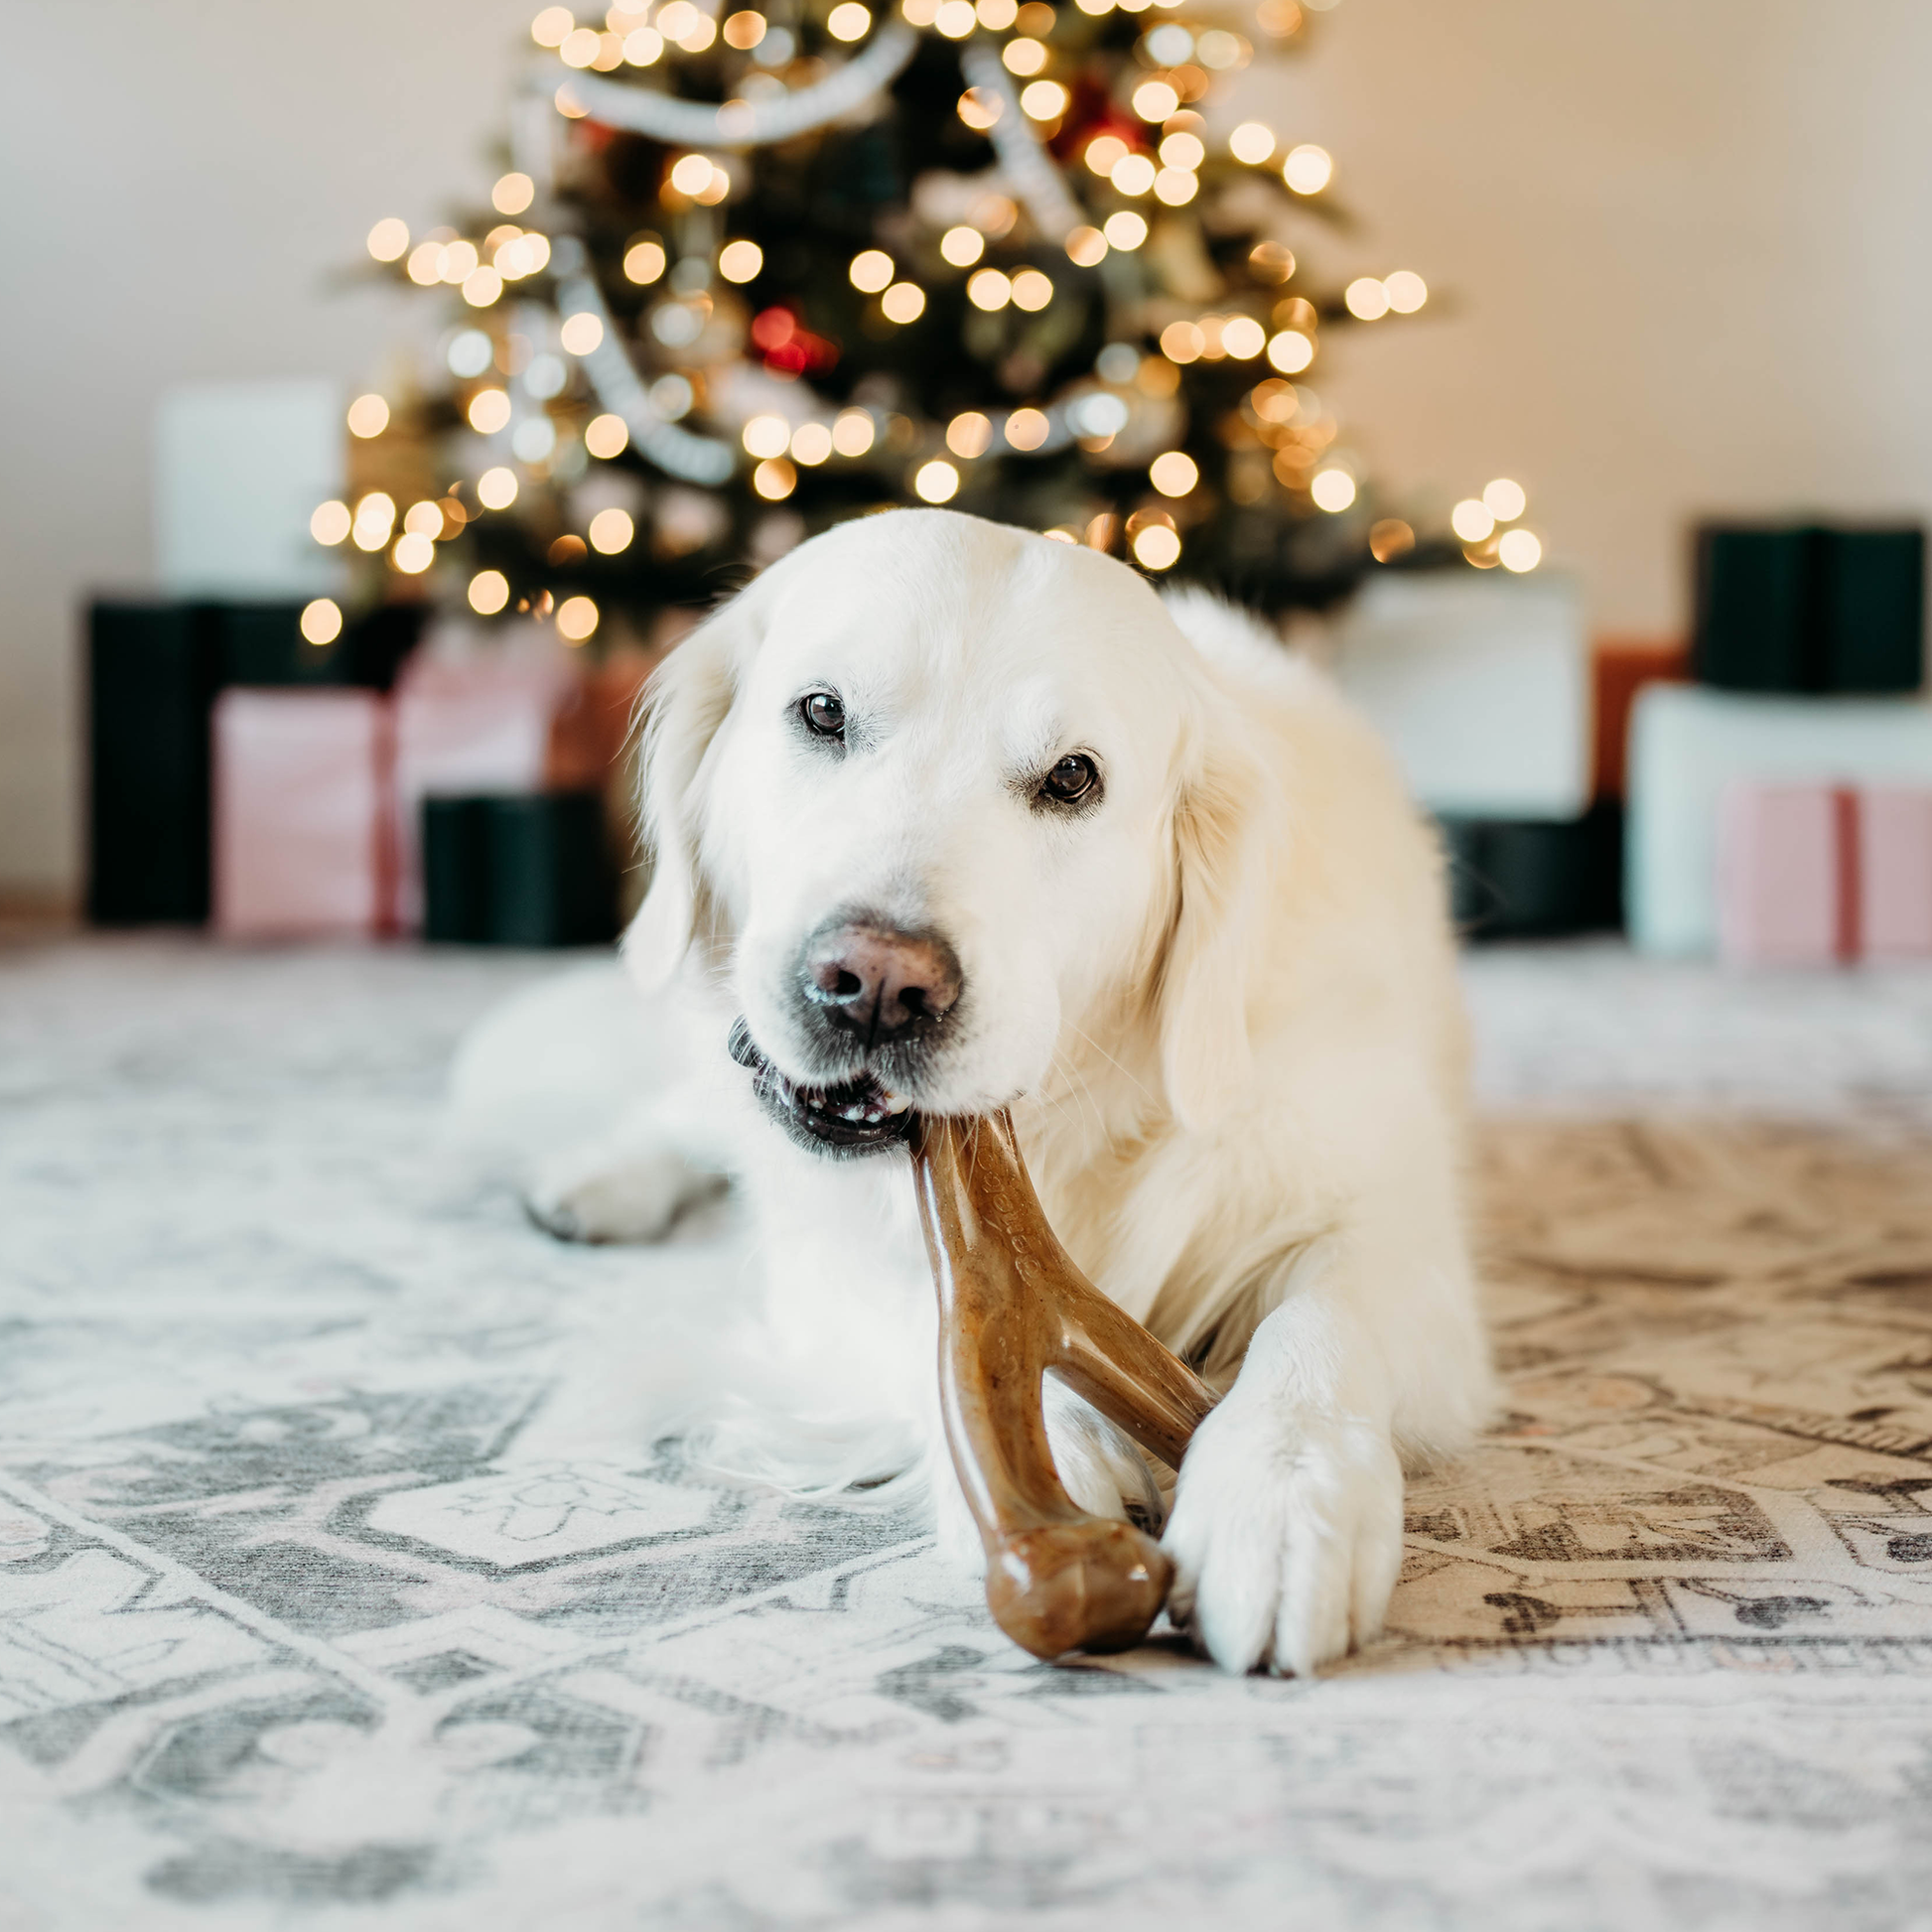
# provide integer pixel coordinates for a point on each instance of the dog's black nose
(878, 982)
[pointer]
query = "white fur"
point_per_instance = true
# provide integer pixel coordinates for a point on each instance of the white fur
(1222, 1006)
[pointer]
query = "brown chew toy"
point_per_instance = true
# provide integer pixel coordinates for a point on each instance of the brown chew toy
(1012, 1305)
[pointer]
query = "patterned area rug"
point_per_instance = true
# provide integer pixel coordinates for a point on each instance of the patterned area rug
(281, 1644)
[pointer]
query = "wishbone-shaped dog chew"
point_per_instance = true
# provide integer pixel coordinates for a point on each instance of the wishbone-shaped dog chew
(1012, 1305)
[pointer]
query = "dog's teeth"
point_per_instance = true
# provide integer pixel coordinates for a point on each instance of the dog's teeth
(897, 1103)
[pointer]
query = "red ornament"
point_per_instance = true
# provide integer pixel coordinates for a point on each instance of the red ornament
(788, 348)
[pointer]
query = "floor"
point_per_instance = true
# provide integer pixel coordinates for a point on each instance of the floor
(281, 1644)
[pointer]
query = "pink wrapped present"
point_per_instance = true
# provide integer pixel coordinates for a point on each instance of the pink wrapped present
(1809, 875)
(1895, 872)
(473, 724)
(301, 813)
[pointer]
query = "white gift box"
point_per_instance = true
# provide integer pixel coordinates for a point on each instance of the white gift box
(1480, 682)
(1690, 745)
(239, 468)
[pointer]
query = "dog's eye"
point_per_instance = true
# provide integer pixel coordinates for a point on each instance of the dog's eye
(1072, 779)
(824, 713)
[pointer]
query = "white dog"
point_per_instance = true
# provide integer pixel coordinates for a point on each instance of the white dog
(952, 817)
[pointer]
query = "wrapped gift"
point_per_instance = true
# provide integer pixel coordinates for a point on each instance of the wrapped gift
(1895, 872)
(1620, 667)
(152, 671)
(1479, 682)
(1690, 745)
(1807, 608)
(529, 870)
(482, 723)
(1809, 875)
(302, 835)
(1521, 879)
(1787, 877)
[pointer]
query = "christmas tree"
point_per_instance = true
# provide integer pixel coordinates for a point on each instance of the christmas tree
(749, 275)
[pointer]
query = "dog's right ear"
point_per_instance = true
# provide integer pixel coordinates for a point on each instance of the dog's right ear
(687, 700)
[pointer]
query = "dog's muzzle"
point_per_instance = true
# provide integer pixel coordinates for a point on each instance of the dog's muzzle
(856, 1115)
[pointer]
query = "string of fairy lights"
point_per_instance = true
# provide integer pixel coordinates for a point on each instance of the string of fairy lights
(546, 385)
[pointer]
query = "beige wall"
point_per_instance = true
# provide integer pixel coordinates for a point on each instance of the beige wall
(1686, 246)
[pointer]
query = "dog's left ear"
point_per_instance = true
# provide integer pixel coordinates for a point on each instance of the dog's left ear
(687, 701)
(1209, 968)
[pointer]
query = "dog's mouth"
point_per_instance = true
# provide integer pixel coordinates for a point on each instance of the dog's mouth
(855, 1116)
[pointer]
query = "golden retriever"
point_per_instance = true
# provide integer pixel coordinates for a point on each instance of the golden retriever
(950, 817)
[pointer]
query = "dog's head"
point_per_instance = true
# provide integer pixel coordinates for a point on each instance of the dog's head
(928, 794)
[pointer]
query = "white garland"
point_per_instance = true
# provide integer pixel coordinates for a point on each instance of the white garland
(750, 123)
(681, 453)
(1033, 173)
(1034, 176)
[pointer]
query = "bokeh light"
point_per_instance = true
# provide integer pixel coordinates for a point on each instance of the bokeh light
(610, 531)
(606, 436)
(989, 289)
(962, 246)
(1157, 547)
(490, 411)
(774, 479)
(1519, 550)
(1290, 352)
(1366, 299)
(643, 261)
(330, 522)
(851, 432)
(1174, 474)
(1504, 499)
(322, 621)
(489, 591)
(576, 619)
(1406, 290)
(389, 239)
(1031, 290)
(496, 489)
(936, 482)
(1252, 142)
(766, 436)
(1332, 490)
(1243, 337)
(1308, 169)
(369, 416)
(1027, 429)
(969, 434)
(1155, 100)
(512, 194)
(811, 444)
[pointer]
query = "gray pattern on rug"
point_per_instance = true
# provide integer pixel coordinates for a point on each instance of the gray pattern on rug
(282, 1643)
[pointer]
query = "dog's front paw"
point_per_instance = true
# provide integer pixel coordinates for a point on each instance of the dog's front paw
(1285, 1536)
(599, 1191)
